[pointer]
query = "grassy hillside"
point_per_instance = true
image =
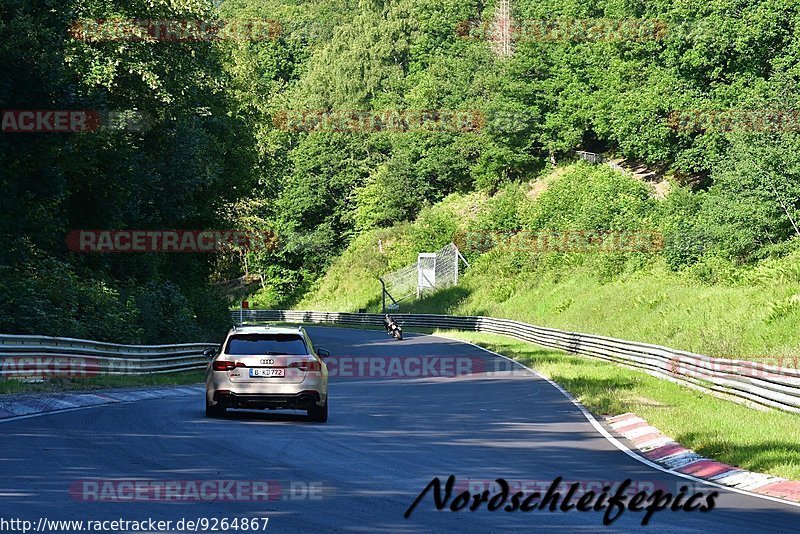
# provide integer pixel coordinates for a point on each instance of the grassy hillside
(711, 304)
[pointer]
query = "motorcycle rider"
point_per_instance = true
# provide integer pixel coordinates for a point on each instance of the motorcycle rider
(387, 323)
(392, 328)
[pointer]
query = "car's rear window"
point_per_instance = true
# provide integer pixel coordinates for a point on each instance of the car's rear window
(263, 344)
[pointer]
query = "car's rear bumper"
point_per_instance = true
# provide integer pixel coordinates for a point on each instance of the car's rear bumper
(298, 401)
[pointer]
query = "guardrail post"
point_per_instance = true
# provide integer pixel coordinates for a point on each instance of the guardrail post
(383, 295)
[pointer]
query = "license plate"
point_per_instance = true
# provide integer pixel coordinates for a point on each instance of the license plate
(267, 373)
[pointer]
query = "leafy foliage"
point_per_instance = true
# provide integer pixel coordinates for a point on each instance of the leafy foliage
(213, 155)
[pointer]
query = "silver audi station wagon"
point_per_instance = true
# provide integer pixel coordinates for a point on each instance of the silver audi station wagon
(268, 367)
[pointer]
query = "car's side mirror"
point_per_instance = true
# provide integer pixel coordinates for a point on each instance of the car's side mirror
(323, 353)
(209, 353)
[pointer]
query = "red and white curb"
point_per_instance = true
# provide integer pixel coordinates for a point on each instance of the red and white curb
(654, 446)
(783, 491)
(28, 405)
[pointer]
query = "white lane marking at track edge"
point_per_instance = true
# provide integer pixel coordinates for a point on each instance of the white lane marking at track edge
(88, 406)
(53, 412)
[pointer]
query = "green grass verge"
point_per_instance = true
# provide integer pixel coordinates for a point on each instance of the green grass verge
(653, 305)
(713, 307)
(761, 441)
(102, 382)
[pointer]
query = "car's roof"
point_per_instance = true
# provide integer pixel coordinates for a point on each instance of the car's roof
(266, 329)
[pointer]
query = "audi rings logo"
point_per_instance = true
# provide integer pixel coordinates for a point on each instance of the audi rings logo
(267, 362)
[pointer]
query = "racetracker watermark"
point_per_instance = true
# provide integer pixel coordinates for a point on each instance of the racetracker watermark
(177, 491)
(405, 366)
(170, 240)
(782, 368)
(436, 120)
(174, 30)
(734, 120)
(567, 30)
(49, 366)
(69, 120)
(561, 241)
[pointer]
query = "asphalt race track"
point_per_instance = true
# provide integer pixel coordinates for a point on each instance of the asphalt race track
(385, 440)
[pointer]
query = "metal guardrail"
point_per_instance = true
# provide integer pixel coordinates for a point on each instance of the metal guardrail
(737, 380)
(22, 356)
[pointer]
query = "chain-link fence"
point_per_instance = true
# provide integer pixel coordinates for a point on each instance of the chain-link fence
(432, 272)
(400, 284)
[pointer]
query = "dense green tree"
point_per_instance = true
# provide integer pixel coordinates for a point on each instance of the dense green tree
(212, 152)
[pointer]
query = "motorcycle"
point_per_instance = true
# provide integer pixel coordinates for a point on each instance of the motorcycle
(393, 329)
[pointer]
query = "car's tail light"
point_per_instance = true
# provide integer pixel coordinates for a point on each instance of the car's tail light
(223, 365)
(306, 366)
